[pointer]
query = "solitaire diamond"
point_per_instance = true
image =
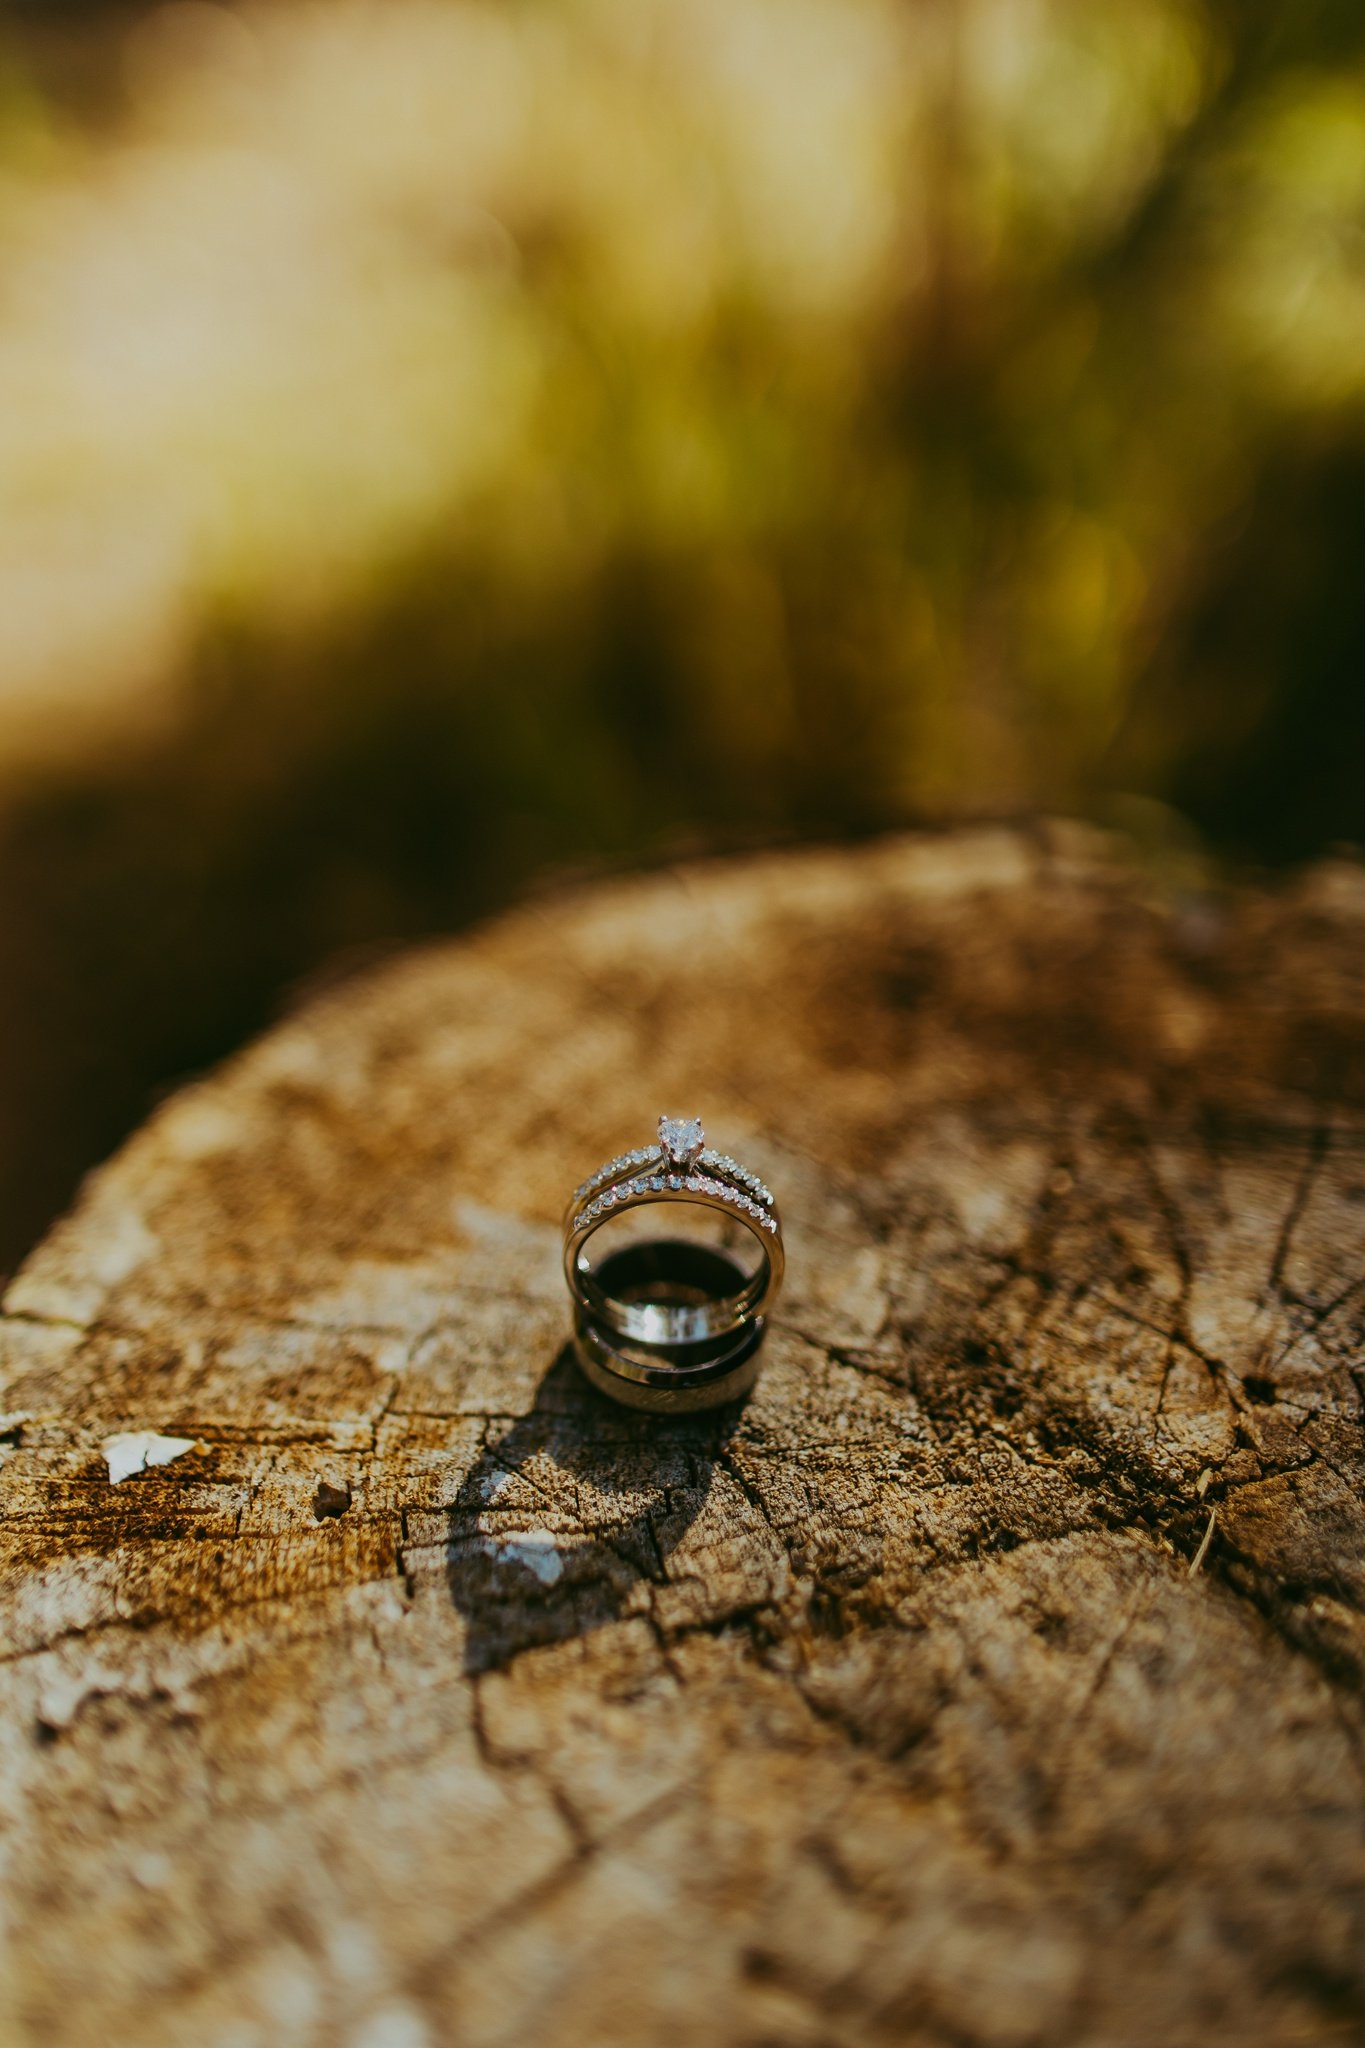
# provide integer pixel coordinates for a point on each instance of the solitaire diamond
(682, 1138)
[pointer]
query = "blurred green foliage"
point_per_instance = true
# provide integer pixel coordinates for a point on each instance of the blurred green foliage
(762, 421)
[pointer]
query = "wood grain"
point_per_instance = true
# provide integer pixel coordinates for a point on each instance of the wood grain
(993, 1677)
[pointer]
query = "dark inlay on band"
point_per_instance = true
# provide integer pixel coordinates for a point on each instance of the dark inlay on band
(670, 1376)
(671, 1271)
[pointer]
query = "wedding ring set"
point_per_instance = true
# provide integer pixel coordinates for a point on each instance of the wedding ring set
(673, 1322)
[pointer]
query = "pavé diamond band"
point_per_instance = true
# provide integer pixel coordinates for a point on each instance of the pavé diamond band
(668, 1319)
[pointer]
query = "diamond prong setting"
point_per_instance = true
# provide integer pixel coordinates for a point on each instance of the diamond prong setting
(682, 1141)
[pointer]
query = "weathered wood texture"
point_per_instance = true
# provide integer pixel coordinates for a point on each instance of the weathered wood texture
(994, 1677)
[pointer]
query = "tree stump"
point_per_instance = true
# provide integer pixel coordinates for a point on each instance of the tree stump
(992, 1677)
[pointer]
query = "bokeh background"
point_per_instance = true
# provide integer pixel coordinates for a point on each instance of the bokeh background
(449, 447)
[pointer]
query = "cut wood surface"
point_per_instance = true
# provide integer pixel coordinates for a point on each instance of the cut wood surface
(992, 1677)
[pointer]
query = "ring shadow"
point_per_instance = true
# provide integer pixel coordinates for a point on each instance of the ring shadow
(572, 1513)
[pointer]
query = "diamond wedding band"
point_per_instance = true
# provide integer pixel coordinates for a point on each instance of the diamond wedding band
(669, 1323)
